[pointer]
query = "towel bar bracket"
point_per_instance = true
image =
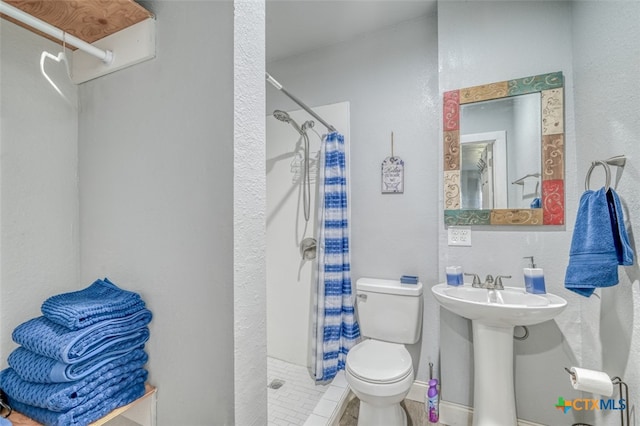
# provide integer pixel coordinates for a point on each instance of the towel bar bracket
(618, 161)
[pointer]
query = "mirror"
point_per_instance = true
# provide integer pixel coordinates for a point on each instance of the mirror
(504, 153)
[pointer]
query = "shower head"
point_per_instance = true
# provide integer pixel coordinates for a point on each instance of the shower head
(282, 116)
(285, 118)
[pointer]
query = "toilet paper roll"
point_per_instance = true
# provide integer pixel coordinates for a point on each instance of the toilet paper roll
(597, 382)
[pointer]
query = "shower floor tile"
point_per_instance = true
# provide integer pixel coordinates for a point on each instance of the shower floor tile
(294, 401)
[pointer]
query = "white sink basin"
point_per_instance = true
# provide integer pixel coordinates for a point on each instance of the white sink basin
(494, 313)
(509, 307)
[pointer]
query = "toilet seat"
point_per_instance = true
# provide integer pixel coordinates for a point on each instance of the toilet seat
(374, 361)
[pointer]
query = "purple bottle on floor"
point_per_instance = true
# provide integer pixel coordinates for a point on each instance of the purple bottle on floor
(433, 401)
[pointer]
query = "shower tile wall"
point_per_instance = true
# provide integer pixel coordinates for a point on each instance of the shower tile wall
(289, 280)
(295, 400)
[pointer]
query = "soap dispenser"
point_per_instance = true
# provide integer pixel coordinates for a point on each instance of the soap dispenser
(534, 278)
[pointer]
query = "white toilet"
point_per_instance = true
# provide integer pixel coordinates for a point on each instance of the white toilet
(379, 370)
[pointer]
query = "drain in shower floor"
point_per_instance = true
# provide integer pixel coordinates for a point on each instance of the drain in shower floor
(276, 384)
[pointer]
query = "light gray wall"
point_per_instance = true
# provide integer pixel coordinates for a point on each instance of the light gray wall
(39, 216)
(607, 96)
(249, 212)
(483, 42)
(390, 79)
(156, 201)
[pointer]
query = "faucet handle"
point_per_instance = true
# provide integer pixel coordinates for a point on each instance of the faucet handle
(476, 280)
(499, 278)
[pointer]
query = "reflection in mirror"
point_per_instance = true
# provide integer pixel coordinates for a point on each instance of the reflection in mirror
(518, 118)
(476, 175)
(483, 170)
(504, 153)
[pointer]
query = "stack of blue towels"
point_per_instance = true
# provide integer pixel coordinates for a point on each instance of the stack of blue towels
(80, 360)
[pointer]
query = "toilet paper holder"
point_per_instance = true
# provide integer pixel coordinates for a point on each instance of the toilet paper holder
(616, 381)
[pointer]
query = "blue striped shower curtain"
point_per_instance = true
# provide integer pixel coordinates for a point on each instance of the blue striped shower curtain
(335, 327)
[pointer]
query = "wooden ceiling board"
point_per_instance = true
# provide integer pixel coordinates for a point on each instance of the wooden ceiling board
(89, 20)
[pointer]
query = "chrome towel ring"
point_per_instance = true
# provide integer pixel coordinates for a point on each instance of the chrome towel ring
(618, 161)
(606, 170)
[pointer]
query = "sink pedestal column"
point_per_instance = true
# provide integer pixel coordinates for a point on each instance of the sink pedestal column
(494, 402)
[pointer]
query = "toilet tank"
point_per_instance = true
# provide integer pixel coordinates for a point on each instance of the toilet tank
(388, 310)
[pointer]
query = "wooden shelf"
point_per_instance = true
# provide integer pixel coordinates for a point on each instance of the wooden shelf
(146, 415)
(89, 20)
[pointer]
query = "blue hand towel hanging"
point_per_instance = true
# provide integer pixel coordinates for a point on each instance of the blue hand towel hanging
(600, 243)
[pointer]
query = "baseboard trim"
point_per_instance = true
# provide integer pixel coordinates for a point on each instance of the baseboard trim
(418, 391)
(346, 397)
(451, 413)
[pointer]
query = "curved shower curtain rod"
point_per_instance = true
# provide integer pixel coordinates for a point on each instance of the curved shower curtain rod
(278, 86)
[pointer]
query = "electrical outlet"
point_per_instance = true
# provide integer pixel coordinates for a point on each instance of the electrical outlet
(459, 235)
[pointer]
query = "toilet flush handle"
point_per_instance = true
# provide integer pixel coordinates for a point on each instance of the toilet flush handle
(362, 297)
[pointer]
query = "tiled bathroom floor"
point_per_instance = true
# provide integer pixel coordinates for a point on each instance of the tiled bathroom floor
(295, 400)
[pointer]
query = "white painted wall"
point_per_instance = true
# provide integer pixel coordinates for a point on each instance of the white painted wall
(483, 42)
(289, 278)
(249, 213)
(607, 124)
(39, 216)
(389, 78)
(156, 175)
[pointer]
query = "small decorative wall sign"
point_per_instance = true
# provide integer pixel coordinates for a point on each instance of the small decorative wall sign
(392, 173)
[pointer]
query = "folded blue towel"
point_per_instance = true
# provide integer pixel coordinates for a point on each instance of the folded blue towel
(36, 368)
(65, 396)
(120, 335)
(100, 301)
(409, 279)
(600, 243)
(128, 391)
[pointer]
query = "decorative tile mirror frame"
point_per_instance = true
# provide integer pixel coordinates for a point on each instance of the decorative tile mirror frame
(550, 87)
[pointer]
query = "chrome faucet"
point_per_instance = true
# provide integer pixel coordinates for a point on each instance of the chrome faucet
(498, 284)
(489, 283)
(476, 280)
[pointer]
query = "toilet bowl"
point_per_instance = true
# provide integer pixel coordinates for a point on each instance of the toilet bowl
(379, 370)
(380, 374)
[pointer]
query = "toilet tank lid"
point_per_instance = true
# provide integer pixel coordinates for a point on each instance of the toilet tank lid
(378, 285)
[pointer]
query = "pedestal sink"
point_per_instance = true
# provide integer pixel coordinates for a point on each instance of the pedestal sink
(494, 314)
